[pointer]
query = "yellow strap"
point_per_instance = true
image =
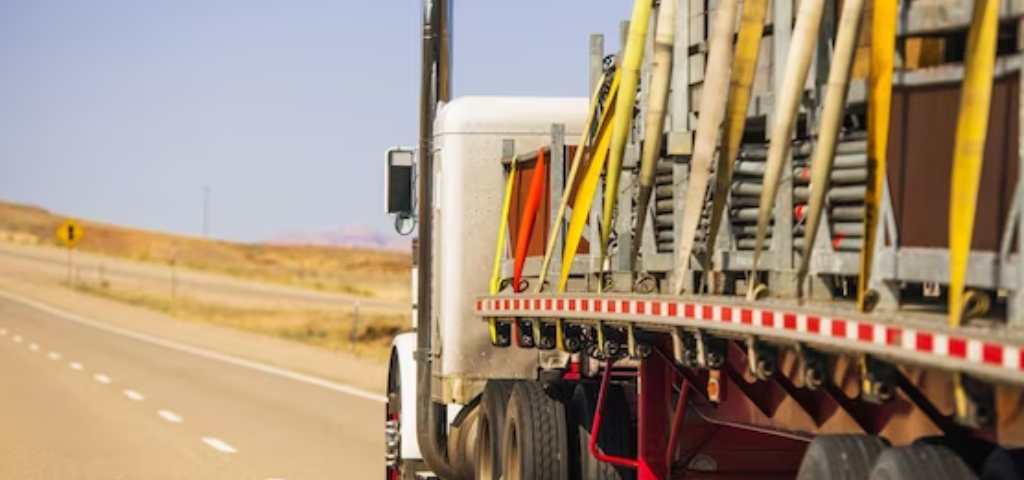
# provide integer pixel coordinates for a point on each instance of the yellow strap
(588, 187)
(968, 153)
(654, 124)
(744, 70)
(573, 172)
(968, 157)
(499, 250)
(634, 54)
(883, 50)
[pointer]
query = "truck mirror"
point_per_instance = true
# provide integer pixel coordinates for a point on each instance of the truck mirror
(399, 177)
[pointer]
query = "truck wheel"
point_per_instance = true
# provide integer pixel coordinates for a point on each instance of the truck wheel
(614, 438)
(490, 428)
(396, 468)
(534, 445)
(973, 451)
(841, 457)
(921, 462)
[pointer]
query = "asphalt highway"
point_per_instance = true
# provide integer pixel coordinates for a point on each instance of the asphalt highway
(80, 402)
(123, 269)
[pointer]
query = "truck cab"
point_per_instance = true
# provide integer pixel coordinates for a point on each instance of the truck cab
(472, 135)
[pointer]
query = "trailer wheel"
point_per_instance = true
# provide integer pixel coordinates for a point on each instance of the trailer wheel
(841, 457)
(534, 446)
(973, 451)
(921, 462)
(614, 438)
(1003, 464)
(490, 428)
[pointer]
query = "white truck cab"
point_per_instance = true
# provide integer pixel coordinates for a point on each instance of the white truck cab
(469, 184)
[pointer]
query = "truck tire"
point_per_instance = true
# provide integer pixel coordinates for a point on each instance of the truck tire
(534, 445)
(973, 451)
(921, 462)
(614, 438)
(841, 457)
(491, 427)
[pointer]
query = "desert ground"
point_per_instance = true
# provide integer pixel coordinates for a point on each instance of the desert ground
(312, 296)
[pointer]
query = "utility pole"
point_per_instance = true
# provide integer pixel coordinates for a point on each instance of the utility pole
(206, 211)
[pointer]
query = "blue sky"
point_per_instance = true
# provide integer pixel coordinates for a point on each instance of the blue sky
(123, 111)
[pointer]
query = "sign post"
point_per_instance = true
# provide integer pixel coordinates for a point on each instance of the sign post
(70, 233)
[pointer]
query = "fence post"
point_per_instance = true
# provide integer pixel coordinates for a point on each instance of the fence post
(354, 335)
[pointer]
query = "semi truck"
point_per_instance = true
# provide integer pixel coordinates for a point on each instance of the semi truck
(775, 240)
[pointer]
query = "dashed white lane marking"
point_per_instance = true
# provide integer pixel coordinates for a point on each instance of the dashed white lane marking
(76, 366)
(33, 347)
(218, 444)
(169, 416)
(17, 339)
(54, 356)
(199, 352)
(132, 394)
(101, 378)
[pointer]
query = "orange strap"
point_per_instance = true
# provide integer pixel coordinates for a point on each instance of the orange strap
(528, 219)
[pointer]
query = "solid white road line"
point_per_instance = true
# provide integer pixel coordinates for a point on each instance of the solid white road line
(132, 394)
(101, 378)
(218, 444)
(169, 416)
(199, 352)
(54, 356)
(76, 366)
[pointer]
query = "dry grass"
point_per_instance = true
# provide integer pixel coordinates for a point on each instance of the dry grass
(331, 329)
(362, 272)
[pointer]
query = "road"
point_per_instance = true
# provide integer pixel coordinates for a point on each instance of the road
(203, 283)
(81, 402)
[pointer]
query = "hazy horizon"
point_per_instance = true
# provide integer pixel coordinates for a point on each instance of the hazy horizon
(123, 113)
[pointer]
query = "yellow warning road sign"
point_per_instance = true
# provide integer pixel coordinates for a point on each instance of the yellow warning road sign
(70, 233)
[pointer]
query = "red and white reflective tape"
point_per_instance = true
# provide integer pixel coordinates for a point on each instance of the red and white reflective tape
(990, 353)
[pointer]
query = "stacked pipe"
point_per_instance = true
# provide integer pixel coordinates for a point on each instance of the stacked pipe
(845, 198)
(664, 230)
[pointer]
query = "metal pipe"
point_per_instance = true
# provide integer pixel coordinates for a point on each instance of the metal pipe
(836, 177)
(839, 243)
(595, 426)
(431, 417)
(844, 194)
(850, 145)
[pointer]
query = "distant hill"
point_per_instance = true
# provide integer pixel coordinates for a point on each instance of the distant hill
(356, 263)
(357, 236)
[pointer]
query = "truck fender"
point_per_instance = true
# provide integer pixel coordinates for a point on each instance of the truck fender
(403, 348)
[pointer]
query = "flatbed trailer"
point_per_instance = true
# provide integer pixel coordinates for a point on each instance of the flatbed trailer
(734, 260)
